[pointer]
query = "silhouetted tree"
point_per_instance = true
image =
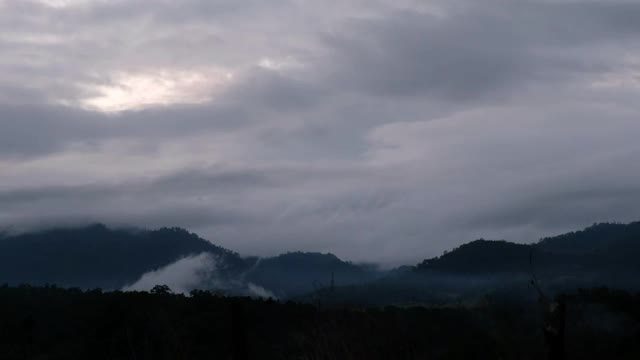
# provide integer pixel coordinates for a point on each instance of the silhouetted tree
(161, 290)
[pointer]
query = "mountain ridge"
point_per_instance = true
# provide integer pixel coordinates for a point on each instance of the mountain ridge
(98, 256)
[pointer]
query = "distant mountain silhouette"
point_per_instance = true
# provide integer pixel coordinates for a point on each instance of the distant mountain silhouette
(298, 272)
(481, 256)
(601, 255)
(605, 248)
(599, 248)
(96, 256)
(598, 237)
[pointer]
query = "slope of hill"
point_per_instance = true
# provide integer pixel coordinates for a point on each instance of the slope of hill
(481, 256)
(606, 247)
(600, 255)
(96, 256)
(299, 272)
(598, 248)
(598, 237)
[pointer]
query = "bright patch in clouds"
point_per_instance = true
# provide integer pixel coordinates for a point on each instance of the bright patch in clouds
(67, 3)
(130, 91)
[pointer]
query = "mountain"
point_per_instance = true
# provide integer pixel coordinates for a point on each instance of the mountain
(96, 256)
(610, 248)
(600, 255)
(598, 248)
(481, 256)
(299, 272)
(598, 237)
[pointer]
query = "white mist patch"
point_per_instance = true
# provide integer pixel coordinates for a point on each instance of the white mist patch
(202, 272)
(259, 291)
(181, 276)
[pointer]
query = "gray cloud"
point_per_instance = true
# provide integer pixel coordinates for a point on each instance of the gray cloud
(481, 50)
(379, 130)
(185, 199)
(408, 54)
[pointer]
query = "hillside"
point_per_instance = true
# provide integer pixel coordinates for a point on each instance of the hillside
(299, 272)
(96, 256)
(598, 237)
(481, 256)
(99, 257)
(598, 248)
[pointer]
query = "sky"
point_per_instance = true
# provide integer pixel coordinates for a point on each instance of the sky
(381, 130)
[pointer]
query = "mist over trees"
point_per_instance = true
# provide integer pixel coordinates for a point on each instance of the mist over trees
(316, 306)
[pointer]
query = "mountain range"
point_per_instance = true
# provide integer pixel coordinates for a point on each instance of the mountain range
(97, 256)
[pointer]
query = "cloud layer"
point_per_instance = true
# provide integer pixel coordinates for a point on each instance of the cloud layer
(378, 130)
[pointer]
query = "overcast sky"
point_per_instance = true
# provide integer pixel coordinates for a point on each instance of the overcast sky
(379, 130)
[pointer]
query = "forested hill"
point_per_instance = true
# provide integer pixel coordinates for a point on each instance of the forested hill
(300, 272)
(100, 257)
(480, 256)
(96, 256)
(607, 253)
(604, 237)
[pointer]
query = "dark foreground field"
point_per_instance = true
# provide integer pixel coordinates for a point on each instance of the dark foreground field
(54, 323)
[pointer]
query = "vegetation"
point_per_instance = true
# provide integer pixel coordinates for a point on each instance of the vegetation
(472, 302)
(55, 323)
(96, 256)
(297, 273)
